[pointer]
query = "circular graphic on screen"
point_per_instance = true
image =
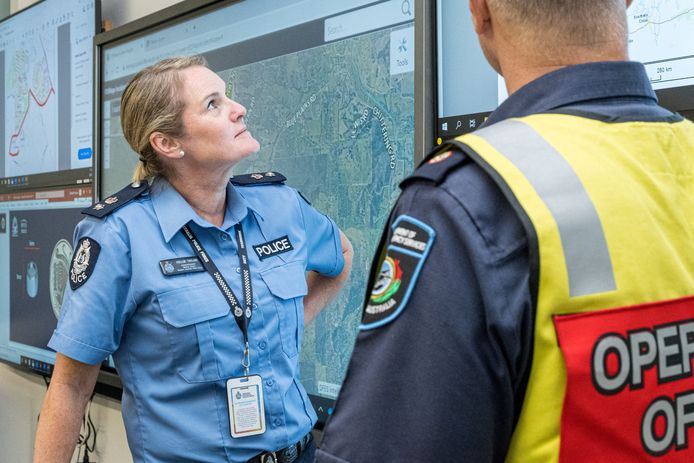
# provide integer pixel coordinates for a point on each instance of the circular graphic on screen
(59, 269)
(32, 279)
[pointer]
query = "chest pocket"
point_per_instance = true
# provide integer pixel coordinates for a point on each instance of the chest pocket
(288, 286)
(191, 315)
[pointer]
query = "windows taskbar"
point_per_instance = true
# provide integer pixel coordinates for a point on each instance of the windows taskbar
(74, 177)
(454, 126)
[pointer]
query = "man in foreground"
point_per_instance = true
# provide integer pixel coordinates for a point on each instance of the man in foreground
(532, 295)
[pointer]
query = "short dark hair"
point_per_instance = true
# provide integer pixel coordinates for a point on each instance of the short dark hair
(567, 22)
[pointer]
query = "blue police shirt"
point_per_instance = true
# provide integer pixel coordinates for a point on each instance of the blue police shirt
(445, 379)
(174, 339)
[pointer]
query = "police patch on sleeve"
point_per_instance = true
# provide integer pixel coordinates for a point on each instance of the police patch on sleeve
(406, 252)
(83, 262)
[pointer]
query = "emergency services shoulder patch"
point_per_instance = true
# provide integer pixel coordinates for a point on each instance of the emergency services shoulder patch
(83, 262)
(406, 252)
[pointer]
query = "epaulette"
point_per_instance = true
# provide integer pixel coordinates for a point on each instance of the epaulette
(258, 178)
(116, 201)
(436, 166)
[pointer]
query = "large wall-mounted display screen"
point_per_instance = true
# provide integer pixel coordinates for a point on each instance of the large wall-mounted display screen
(36, 229)
(329, 88)
(660, 36)
(46, 61)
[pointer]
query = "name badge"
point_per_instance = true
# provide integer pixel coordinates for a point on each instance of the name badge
(246, 406)
(273, 248)
(181, 265)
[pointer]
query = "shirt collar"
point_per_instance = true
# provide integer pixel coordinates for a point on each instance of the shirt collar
(173, 211)
(576, 84)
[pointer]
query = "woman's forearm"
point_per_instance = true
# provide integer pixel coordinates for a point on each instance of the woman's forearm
(322, 289)
(63, 407)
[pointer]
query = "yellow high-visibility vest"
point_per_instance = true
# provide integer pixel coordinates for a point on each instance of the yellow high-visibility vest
(609, 212)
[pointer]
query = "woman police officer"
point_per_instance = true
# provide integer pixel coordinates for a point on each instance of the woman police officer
(197, 285)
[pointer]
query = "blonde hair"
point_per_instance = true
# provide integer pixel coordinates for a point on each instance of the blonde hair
(151, 103)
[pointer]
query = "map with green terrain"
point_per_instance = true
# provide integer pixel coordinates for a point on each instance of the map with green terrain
(340, 125)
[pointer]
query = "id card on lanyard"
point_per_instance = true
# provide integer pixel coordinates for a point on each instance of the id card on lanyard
(246, 406)
(244, 394)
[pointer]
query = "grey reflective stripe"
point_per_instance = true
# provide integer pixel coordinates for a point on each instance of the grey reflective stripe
(588, 262)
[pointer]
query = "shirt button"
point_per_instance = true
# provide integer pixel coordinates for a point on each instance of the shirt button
(270, 382)
(238, 269)
(224, 236)
(262, 345)
(278, 422)
(255, 306)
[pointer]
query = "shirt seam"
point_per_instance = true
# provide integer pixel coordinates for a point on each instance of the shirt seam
(333, 225)
(137, 402)
(82, 343)
(497, 254)
(336, 247)
(126, 246)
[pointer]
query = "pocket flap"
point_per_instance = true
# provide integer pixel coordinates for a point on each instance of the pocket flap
(288, 281)
(193, 304)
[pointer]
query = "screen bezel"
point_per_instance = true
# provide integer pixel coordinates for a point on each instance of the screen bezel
(189, 9)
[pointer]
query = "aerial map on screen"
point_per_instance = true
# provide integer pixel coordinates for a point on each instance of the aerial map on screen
(339, 125)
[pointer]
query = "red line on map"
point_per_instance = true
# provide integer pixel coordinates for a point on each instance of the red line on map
(41, 104)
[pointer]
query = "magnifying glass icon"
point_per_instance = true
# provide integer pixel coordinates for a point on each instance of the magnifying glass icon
(406, 7)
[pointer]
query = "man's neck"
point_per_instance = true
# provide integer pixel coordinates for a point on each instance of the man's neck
(519, 71)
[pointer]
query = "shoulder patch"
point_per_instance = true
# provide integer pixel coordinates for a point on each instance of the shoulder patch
(258, 178)
(406, 252)
(83, 261)
(437, 165)
(116, 201)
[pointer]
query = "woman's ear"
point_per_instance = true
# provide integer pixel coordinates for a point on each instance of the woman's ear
(165, 145)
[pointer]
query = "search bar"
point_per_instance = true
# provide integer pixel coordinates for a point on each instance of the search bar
(368, 19)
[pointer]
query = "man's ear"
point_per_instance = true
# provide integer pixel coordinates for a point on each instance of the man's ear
(165, 145)
(481, 17)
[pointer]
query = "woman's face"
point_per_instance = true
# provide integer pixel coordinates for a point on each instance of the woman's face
(214, 130)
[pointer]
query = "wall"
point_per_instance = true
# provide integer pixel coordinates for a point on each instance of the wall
(21, 394)
(120, 12)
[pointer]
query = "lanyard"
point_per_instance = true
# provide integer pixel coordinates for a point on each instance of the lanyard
(243, 317)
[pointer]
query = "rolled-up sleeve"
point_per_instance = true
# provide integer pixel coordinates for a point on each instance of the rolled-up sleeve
(323, 241)
(93, 314)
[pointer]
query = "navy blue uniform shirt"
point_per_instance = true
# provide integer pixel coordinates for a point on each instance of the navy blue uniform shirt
(444, 378)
